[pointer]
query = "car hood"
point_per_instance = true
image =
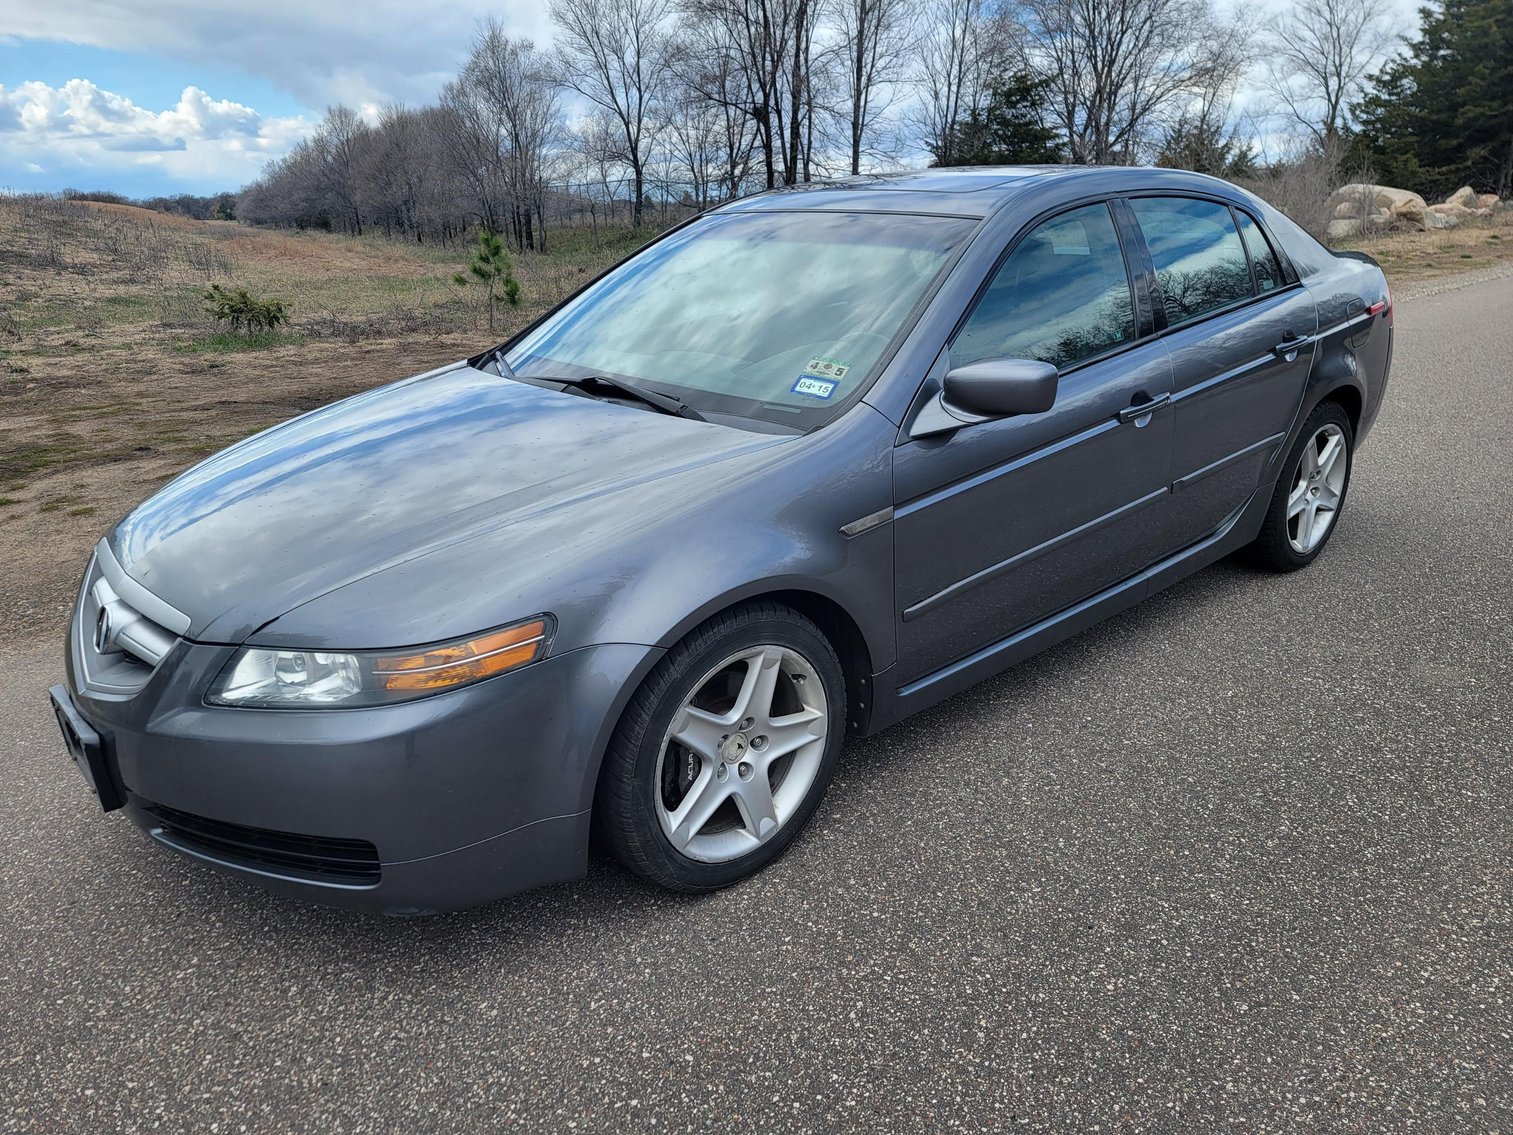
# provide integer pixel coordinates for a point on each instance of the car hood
(388, 476)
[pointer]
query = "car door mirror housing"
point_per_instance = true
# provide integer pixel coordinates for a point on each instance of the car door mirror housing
(997, 388)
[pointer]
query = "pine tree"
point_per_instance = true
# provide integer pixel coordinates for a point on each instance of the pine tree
(492, 266)
(1010, 131)
(1442, 116)
(1204, 146)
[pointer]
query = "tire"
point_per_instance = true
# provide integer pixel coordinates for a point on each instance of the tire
(680, 797)
(1293, 534)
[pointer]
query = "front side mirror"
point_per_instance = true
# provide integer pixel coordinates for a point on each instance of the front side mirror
(996, 388)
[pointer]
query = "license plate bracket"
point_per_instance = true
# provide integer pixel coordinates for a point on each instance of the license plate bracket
(87, 748)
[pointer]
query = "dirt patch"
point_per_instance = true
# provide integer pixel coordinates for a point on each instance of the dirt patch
(1413, 257)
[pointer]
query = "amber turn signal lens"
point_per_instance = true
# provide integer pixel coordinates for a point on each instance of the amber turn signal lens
(457, 663)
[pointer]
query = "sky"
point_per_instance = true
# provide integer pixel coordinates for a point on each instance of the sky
(193, 96)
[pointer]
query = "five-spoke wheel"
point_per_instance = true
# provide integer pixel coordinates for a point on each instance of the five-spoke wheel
(742, 753)
(725, 751)
(1318, 486)
(1310, 493)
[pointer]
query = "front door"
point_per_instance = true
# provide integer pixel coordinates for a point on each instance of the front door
(1003, 523)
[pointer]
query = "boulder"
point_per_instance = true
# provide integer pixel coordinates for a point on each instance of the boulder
(1435, 220)
(1487, 200)
(1465, 197)
(1347, 209)
(1452, 209)
(1398, 201)
(1402, 207)
(1342, 227)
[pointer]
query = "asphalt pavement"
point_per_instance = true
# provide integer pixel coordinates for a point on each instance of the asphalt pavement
(1240, 859)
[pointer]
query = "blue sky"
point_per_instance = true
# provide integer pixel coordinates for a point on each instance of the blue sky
(173, 96)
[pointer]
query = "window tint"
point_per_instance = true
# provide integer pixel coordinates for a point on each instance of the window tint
(1200, 262)
(1268, 270)
(1061, 296)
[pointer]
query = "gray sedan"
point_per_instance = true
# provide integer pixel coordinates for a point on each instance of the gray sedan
(801, 467)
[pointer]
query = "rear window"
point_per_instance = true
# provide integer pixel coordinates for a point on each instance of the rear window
(1199, 258)
(1268, 269)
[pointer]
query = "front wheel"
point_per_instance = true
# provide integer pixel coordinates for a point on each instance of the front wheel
(1310, 494)
(725, 751)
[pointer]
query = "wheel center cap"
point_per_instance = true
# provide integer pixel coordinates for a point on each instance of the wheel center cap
(733, 748)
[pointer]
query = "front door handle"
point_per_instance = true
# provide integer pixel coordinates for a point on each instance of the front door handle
(1136, 410)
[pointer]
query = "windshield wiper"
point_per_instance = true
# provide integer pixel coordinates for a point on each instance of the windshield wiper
(663, 402)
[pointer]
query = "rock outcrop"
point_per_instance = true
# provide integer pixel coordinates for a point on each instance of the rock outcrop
(1383, 206)
(1465, 197)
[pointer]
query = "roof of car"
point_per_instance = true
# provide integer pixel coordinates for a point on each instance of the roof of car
(962, 191)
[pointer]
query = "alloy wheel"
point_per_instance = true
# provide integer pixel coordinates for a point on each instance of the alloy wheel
(1317, 488)
(741, 753)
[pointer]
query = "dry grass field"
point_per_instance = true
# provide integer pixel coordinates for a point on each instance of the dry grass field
(113, 377)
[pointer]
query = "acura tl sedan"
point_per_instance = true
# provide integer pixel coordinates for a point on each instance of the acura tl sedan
(803, 466)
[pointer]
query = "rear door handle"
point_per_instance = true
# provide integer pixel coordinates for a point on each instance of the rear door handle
(1290, 346)
(1144, 409)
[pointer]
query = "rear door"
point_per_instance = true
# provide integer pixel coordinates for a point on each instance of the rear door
(1006, 522)
(1230, 312)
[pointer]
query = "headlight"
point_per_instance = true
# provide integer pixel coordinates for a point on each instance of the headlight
(312, 679)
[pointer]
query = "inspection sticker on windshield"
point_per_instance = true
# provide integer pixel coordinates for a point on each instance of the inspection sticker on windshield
(821, 367)
(820, 378)
(813, 387)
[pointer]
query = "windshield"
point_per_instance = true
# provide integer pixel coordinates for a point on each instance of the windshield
(773, 315)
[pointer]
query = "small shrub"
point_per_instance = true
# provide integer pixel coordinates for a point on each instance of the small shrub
(244, 313)
(491, 264)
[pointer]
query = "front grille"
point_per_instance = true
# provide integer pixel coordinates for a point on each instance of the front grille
(353, 862)
(121, 631)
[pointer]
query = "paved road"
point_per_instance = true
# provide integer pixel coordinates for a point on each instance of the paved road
(1239, 859)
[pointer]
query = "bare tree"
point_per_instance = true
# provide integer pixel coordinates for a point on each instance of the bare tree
(874, 40)
(959, 49)
(708, 72)
(1119, 69)
(615, 54)
(1318, 54)
(505, 117)
(770, 45)
(338, 144)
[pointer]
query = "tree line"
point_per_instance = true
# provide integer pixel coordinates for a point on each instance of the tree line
(698, 101)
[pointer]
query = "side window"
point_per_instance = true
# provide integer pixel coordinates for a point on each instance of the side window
(1268, 269)
(1200, 261)
(1062, 296)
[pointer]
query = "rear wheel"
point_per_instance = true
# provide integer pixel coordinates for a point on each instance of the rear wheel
(1310, 494)
(725, 751)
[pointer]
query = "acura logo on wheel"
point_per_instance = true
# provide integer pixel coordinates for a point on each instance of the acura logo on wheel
(102, 631)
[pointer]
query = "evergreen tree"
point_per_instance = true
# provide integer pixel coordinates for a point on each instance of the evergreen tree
(1011, 130)
(1203, 147)
(492, 266)
(1442, 116)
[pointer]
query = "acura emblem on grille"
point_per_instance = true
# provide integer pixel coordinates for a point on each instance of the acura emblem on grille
(102, 631)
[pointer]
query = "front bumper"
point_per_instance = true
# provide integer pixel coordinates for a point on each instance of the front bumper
(456, 799)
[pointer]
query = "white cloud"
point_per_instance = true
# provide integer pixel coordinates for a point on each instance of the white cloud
(320, 53)
(82, 127)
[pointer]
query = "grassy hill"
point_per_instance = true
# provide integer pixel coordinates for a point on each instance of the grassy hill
(113, 377)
